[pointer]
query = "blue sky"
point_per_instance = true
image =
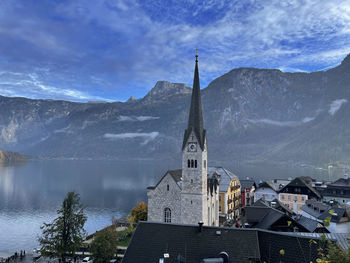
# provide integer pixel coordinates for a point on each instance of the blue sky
(83, 50)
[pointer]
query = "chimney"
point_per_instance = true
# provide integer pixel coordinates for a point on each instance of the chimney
(200, 226)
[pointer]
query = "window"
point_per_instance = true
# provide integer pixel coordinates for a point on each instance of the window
(302, 198)
(191, 202)
(282, 197)
(289, 197)
(191, 181)
(192, 163)
(205, 164)
(219, 208)
(219, 197)
(167, 215)
(195, 163)
(167, 187)
(188, 163)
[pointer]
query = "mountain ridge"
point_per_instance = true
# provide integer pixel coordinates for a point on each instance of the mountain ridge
(250, 115)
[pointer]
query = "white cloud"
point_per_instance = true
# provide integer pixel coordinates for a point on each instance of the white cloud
(335, 106)
(147, 137)
(63, 130)
(22, 84)
(286, 34)
(136, 118)
(282, 123)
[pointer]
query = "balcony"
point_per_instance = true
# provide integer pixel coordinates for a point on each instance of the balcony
(234, 188)
(236, 198)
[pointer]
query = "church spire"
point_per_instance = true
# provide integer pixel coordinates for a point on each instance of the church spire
(195, 120)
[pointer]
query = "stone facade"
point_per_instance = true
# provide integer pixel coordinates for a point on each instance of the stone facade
(167, 194)
(194, 183)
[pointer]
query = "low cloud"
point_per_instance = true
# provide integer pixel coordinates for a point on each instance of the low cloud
(136, 118)
(282, 123)
(335, 106)
(147, 137)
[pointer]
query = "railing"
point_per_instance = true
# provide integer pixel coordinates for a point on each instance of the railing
(236, 198)
(233, 188)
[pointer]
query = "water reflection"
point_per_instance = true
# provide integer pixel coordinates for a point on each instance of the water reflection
(30, 194)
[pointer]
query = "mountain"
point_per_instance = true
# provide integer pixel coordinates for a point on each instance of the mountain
(250, 115)
(11, 157)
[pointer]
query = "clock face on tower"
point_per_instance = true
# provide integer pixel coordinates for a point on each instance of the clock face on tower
(192, 147)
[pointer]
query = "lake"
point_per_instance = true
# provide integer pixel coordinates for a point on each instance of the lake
(31, 193)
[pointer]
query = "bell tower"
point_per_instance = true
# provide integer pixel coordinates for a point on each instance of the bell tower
(194, 207)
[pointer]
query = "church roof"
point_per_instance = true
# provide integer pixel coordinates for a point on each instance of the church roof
(195, 120)
(175, 174)
(222, 175)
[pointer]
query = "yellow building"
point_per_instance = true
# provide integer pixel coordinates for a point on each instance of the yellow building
(229, 193)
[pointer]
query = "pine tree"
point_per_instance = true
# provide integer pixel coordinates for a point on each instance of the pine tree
(66, 233)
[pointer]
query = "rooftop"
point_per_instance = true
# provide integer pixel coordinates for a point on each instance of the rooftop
(225, 176)
(191, 244)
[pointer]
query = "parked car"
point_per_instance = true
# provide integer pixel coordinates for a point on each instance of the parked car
(87, 260)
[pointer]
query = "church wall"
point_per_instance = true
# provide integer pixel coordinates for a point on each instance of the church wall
(194, 187)
(160, 198)
(213, 204)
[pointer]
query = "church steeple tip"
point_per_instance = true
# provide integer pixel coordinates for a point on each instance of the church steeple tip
(195, 120)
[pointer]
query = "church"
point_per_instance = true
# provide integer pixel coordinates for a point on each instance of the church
(189, 195)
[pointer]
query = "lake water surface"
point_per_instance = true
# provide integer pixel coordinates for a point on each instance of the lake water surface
(31, 193)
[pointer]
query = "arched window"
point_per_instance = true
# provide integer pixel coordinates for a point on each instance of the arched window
(188, 163)
(167, 187)
(167, 215)
(192, 163)
(195, 163)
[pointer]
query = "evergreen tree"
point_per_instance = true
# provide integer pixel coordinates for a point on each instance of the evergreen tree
(104, 246)
(66, 233)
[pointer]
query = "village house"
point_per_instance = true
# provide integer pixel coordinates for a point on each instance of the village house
(229, 193)
(338, 191)
(266, 191)
(339, 215)
(248, 187)
(276, 216)
(295, 194)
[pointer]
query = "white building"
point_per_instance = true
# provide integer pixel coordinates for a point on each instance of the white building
(266, 191)
(189, 195)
